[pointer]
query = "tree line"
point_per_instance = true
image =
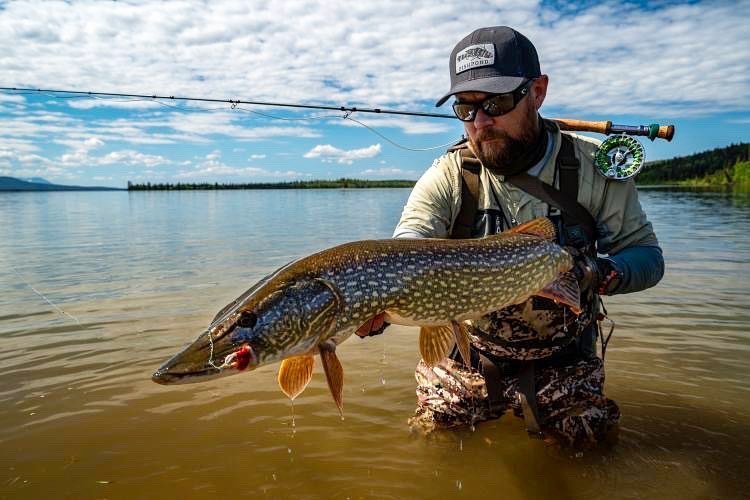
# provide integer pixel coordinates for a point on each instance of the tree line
(718, 166)
(315, 184)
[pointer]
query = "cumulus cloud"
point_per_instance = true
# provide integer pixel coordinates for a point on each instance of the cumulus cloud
(129, 157)
(411, 126)
(214, 169)
(602, 57)
(391, 171)
(330, 154)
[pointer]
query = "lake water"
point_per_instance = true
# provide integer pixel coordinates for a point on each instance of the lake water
(135, 276)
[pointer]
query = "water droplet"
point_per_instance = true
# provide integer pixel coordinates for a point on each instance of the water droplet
(436, 473)
(294, 422)
(289, 450)
(274, 476)
(461, 445)
(382, 380)
(363, 387)
(473, 428)
(459, 485)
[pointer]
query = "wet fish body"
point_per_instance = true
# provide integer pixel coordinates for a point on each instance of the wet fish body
(311, 305)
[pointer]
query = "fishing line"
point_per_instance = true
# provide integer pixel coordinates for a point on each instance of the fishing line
(234, 105)
(40, 294)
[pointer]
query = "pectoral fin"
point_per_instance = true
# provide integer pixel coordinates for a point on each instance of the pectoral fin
(373, 326)
(564, 290)
(295, 373)
(334, 373)
(435, 342)
(462, 341)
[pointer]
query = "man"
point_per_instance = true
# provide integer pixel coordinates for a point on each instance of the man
(537, 359)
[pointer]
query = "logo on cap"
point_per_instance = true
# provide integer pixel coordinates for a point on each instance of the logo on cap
(475, 56)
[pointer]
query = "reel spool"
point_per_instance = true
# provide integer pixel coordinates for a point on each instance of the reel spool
(619, 157)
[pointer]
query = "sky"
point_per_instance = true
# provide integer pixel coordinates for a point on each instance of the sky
(681, 63)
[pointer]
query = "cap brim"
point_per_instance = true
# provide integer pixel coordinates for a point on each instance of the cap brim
(496, 85)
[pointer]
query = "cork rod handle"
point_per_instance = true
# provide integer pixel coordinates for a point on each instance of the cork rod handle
(583, 125)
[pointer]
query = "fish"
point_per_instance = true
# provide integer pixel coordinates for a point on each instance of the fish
(313, 304)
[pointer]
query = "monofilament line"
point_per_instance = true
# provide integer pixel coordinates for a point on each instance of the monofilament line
(40, 294)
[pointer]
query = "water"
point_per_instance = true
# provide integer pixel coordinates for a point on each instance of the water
(143, 273)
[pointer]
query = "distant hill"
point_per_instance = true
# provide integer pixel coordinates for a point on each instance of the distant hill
(729, 165)
(38, 180)
(13, 184)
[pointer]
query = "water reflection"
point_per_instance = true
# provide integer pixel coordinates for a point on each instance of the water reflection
(144, 273)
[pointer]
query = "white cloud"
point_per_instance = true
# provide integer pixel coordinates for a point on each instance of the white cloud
(213, 169)
(329, 154)
(612, 57)
(411, 126)
(391, 171)
(257, 157)
(129, 157)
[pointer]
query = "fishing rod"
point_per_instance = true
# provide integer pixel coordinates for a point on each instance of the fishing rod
(619, 157)
(235, 102)
(652, 131)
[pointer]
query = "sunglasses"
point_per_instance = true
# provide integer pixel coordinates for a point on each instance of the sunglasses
(495, 105)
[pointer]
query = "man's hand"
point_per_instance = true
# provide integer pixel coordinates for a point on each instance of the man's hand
(597, 273)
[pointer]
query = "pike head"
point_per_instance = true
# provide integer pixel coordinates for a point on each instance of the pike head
(264, 327)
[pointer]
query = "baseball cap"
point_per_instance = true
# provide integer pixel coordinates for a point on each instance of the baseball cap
(493, 60)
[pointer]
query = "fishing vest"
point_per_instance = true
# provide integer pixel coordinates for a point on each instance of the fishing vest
(538, 328)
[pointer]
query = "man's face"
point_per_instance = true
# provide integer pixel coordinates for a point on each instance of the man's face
(498, 140)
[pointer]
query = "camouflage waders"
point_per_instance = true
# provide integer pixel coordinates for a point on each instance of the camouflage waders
(570, 400)
(568, 376)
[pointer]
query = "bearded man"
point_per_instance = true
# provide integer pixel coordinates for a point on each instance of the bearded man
(536, 359)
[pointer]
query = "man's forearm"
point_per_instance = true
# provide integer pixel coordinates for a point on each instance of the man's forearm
(641, 267)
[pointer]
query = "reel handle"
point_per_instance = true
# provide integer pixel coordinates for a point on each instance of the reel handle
(606, 127)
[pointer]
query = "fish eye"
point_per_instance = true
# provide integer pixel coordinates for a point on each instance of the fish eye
(247, 319)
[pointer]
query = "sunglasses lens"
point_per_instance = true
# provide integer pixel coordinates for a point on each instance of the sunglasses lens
(464, 111)
(498, 105)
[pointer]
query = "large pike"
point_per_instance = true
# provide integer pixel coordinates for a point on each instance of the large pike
(313, 304)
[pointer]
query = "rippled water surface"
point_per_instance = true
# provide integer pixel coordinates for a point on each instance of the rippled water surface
(132, 277)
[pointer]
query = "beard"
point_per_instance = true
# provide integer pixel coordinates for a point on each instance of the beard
(503, 154)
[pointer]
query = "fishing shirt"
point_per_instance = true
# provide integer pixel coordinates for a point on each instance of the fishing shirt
(531, 330)
(435, 201)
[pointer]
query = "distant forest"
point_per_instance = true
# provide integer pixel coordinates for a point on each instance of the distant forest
(319, 184)
(729, 165)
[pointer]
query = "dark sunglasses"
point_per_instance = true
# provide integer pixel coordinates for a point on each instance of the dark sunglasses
(495, 105)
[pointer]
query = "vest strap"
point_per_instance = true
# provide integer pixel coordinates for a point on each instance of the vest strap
(464, 223)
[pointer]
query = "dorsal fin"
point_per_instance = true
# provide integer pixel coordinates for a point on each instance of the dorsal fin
(541, 226)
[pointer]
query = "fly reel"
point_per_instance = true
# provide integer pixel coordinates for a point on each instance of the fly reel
(619, 157)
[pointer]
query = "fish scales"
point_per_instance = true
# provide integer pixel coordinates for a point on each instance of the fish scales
(322, 299)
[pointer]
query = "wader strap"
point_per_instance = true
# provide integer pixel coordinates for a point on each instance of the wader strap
(463, 227)
(566, 204)
(527, 397)
(568, 166)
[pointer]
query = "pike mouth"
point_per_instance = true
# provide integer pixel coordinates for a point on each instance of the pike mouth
(205, 359)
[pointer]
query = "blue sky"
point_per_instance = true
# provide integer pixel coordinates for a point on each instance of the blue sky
(668, 62)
